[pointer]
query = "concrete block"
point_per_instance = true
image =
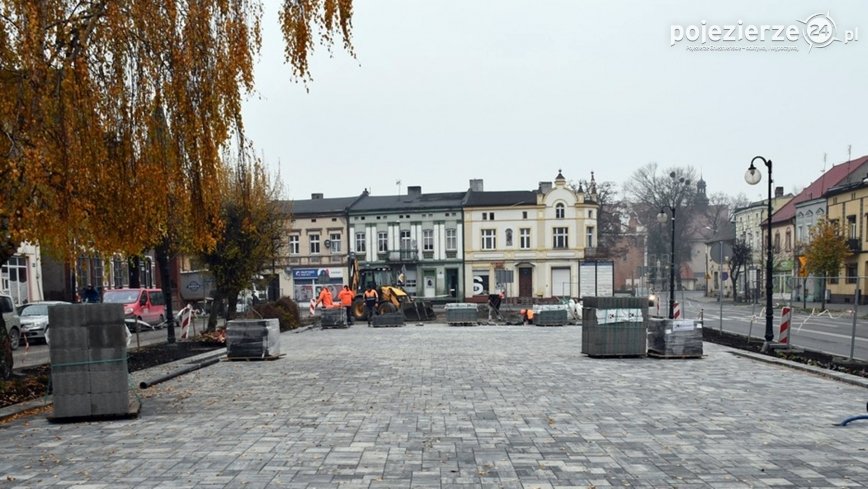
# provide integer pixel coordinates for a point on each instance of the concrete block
(71, 405)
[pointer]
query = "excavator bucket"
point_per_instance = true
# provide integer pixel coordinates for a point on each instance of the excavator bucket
(417, 311)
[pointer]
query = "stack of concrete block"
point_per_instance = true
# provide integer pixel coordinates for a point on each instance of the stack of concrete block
(334, 317)
(253, 338)
(388, 320)
(551, 315)
(462, 314)
(675, 338)
(88, 352)
(614, 326)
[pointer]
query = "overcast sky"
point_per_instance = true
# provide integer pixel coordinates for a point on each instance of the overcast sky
(510, 91)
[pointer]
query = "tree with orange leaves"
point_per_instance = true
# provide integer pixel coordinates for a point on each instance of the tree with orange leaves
(119, 108)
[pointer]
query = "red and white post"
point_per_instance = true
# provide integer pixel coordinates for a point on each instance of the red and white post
(676, 313)
(186, 316)
(786, 319)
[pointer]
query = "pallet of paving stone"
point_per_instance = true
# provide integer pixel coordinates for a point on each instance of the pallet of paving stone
(334, 317)
(253, 338)
(88, 354)
(388, 320)
(462, 314)
(654, 354)
(551, 315)
(671, 338)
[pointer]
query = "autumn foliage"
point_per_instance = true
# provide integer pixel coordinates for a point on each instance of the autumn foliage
(114, 115)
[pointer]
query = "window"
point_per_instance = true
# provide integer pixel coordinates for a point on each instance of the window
(801, 234)
(851, 227)
(788, 242)
(559, 211)
(524, 238)
(427, 240)
(451, 239)
(314, 244)
(777, 247)
(524, 214)
(360, 243)
(489, 239)
(851, 274)
(509, 237)
(293, 244)
(590, 214)
(335, 242)
(382, 241)
(590, 236)
(560, 238)
(119, 271)
(406, 242)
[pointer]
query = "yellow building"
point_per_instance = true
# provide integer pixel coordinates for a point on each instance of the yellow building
(847, 204)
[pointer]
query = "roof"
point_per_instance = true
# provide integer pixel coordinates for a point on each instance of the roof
(409, 202)
(500, 198)
(316, 206)
(834, 176)
(855, 179)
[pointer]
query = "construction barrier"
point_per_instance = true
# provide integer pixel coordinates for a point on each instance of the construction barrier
(676, 312)
(312, 307)
(186, 318)
(786, 318)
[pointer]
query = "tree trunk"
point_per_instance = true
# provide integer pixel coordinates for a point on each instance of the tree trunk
(216, 305)
(232, 305)
(133, 266)
(823, 307)
(166, 280)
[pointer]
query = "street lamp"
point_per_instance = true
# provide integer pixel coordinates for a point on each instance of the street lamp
(752, 176)
(662, 217)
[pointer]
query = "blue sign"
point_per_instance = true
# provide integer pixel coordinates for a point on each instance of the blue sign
(305, 273)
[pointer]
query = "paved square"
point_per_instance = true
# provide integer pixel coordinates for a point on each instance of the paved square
(453, 408)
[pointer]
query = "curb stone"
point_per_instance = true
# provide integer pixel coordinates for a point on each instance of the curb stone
(822, 372)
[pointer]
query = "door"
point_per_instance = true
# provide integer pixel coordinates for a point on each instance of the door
(561, 282)
(430, 290)
(452, 282)
(525, 282)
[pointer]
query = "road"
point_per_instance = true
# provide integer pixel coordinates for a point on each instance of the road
(37, 354)
(829, 332)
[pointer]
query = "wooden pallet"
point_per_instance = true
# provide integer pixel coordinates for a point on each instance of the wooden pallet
(253, 359)
(654, 354)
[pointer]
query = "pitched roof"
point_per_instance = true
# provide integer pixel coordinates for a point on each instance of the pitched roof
(316, 206)
(500, 198)
(834, 176)
(409, 202)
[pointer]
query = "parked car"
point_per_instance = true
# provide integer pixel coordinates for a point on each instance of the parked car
(10, 317)
(34, 319)
(142, 304)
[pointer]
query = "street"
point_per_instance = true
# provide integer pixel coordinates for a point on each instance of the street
(829, 332)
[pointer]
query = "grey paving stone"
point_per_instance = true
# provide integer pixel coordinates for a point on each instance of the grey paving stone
(470, 408)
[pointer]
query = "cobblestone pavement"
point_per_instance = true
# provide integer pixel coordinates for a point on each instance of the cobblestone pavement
(460, 408)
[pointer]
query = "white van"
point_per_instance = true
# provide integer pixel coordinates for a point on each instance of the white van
(10, 317)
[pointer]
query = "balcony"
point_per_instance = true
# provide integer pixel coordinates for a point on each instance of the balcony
(854, 244)
(404, 255)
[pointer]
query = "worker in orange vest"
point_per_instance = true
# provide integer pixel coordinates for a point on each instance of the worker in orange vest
(325, 298)
(346, 296)
(371, 298)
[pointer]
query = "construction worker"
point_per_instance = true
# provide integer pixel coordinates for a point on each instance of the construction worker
(346, 297)
(325, 298)
(371, 298)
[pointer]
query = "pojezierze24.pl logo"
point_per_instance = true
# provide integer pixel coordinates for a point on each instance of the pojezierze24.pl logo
(817, 31)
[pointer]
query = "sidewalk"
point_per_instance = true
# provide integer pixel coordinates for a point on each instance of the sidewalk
(512, 407)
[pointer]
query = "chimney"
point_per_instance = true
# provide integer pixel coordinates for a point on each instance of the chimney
(414, 190)
(544, 187)
(779, 192)
(315, 196)
(476, 184)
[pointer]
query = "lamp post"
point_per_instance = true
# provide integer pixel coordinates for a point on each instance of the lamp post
(678, 185)
(662, 217)
(752, 176)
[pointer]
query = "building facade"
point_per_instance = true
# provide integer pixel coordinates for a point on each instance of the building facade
(528, 244)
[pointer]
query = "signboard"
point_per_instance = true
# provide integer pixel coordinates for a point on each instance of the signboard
(317, 273)
(596, 278)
